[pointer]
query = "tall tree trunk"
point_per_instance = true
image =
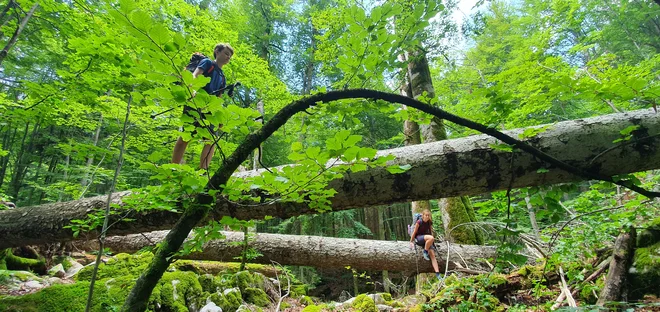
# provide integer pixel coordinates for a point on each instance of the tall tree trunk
(5, 10)
(257, 157)
(15, 179)
(36, 176)
(65, 176)
(19, 29)
(470, 166)
(381, 236)
(90, 160)
(4, 161)
(455, 211)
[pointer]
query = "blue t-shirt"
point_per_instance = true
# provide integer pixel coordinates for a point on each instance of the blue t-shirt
(218, 80)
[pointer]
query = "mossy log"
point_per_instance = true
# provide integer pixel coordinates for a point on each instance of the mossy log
(464, 166)
(12, 262)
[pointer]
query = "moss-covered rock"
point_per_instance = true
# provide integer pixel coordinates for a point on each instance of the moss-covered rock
(211, 283)
(120, 265)
(312, 308)
(650, 235)
(178, 291)
(645, 272)
(364, 303)
(61, 298)
(243, 280)
(256, 296)
(229, 300)
(249, 308)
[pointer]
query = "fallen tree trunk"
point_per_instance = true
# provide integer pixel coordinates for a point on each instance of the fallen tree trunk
(316, 251)
(465, 166)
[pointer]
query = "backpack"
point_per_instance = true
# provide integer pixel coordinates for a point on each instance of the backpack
(195, 59)
(411, 227)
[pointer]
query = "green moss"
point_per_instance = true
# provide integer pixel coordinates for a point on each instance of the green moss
(417, 308)
(645, 271)
(215, 268)
(284, 305)
(364, 303)
(62, 298)
(119, 265)
(306, 300)
(9, 261)
(176, 291)
(243, 280)
(65, 261)
(228, 300)
(210, 283)
(256, 296)
(387, 296)
(650, 235)
(247, 308)
(312, 308)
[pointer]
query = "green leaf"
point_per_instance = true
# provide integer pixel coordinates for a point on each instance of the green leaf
(502, 147)
(395, 169)
(159, 34)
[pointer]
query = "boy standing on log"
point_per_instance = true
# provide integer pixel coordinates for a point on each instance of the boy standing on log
(209, 68)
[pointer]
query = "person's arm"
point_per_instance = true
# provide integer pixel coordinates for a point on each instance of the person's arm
(414, 232)
(198, 71)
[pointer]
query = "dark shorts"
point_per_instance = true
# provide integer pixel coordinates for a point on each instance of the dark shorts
(196, 123)
(419, 240)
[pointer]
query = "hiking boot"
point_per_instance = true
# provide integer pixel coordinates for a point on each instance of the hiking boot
(425, 253)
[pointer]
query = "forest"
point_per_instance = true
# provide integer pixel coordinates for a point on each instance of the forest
(526, 132)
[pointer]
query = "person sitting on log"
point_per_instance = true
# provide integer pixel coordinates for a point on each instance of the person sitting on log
(422, 236)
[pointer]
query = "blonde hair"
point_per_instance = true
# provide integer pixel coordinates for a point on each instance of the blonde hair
(429, 212)
(221, 46)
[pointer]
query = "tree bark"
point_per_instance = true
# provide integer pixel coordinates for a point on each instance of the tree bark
(316, 251)
(19, 29)
(458, 210)
(616, 283)
(465, 166)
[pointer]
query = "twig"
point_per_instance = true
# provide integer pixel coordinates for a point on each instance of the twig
(622, 145)
(564, 289)
(107, 206)
(279, 286)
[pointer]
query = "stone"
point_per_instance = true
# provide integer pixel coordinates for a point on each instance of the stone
(383, 308)
(33, 285)
(57, 271)
(74, 267)
(210, 307)
(413, 300)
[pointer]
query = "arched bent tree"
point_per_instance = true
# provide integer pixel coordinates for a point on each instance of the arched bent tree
(198, 210)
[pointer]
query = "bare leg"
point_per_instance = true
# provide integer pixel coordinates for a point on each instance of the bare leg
(434, 261)
(207, 155)
(428, 239)
(179, 150)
